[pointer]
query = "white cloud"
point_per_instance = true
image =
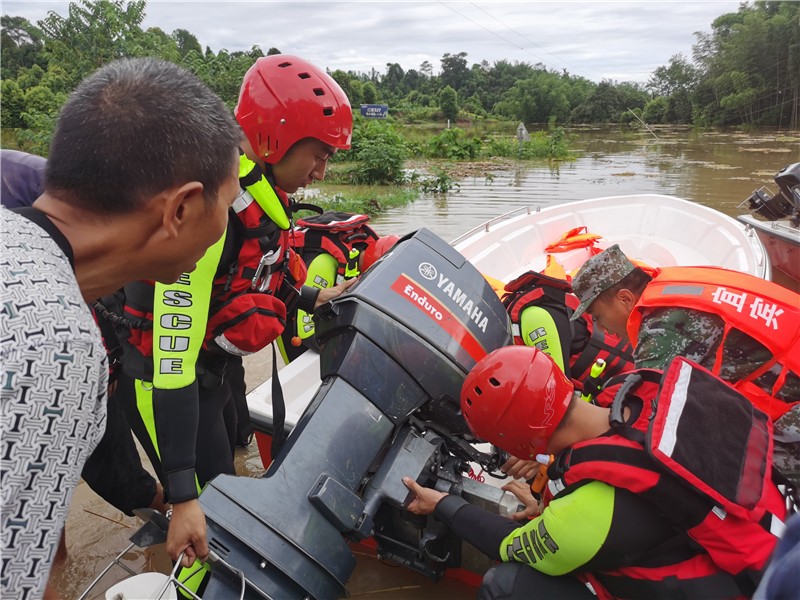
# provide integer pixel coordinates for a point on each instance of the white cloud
(624, 41)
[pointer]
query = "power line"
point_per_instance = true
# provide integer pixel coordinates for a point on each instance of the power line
(529, 40)
(494, 33)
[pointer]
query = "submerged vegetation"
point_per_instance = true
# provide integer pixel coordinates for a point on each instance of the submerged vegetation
(370, 200)
(379, 153)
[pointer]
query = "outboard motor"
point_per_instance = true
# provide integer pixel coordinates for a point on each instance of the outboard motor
(786, 203)
(394, 352)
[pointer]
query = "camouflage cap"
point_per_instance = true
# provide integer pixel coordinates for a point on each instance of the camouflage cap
(597, 275)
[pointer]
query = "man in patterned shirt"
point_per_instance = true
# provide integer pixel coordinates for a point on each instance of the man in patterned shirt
(141, 173)
(663, 319)
(114, 471)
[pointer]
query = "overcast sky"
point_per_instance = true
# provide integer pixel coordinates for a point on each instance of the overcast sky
(623, 41)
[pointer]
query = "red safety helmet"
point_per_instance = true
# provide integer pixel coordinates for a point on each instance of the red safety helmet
(285, 99)
(515, 398)
(377, 249)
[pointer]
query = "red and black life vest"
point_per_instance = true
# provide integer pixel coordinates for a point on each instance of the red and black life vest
(256, 281)
(343, 235)
(766, 311)
(586, 343)
(702, 455)
(251, 298)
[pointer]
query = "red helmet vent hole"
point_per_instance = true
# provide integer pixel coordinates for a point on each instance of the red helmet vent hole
(494, 382)
(327, 111)
(469, 402)
(304, 76)
(283, 65)
(319, 92)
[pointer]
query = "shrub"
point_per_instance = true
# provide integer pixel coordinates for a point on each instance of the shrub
(453, 144)
(439, 182)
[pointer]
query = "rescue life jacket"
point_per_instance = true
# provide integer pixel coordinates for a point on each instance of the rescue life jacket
(579, 237)
(250, 301)
(702, 455)
(766, 311)
(586, 342)
(256, 279)
(343, 235)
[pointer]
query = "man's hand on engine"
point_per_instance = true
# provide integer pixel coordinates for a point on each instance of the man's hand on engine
(425, 499)
(520, 469)
(523, 493)
(326, 294)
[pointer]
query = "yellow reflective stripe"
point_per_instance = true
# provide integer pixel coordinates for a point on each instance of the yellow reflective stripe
(180, 315)
(263, 194)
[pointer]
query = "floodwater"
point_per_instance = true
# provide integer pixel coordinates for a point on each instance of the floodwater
(718, 169)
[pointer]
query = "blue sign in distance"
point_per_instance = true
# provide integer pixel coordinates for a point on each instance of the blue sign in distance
(375, 111)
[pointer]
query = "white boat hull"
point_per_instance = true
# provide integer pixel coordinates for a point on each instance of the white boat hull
(659, 230)
(781, 241)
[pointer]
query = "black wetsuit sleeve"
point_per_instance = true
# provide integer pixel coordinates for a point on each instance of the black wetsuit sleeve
(474, 525)
(176, 415)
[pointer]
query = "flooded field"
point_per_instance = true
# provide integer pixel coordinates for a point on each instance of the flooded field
(718, 169)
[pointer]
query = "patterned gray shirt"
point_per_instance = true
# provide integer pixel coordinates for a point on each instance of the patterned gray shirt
(52, 395)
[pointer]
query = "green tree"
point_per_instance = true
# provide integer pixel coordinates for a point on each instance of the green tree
(41, 99)
(93, 33)
(448, 102)
(369, 92)
(29, 78)
(454, 70)
(187, 42)
(392, 82)
(632, 95)
(426, 68)
(751, 62)
(678, 74)
(679, 107)
(12, 99)
(20, 46)
(655, 111)
(604, 105)
(538, 99)
(155, 42)
(474, 106)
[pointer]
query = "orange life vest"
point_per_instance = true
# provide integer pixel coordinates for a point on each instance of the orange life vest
(765, 311)
(578, 237)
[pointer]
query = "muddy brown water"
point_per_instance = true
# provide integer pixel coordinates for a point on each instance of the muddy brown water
(715, 168)
(718, 169)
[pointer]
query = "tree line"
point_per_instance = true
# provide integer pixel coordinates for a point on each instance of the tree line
(746, 71)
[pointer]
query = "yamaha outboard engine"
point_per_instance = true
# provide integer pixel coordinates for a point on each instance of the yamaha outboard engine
(394, 352)
(786, 203)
